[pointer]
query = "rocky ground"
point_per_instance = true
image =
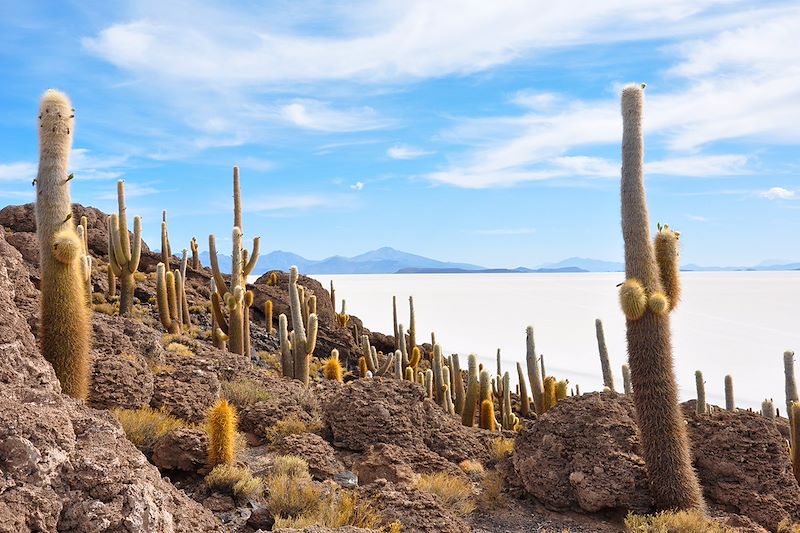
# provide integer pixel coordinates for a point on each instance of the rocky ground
(68, 466)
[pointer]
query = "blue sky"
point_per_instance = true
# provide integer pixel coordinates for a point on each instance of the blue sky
(483, 132)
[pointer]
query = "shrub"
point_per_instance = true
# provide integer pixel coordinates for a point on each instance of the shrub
(143, 427)
(105, 308)
(786, 526)
(454, 492)
(471, 468)
(291, 425)
(244, 392)
(675, 522)
(235, 480)
(501, 447)
(336, 508)
(291, 496)
(293, 466)
(179, 349)
(491, 493)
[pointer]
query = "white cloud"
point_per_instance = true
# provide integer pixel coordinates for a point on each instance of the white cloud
(256, 163)
(384, 41)
(18, 171)
(279, 203)
(403, 151)
(741, 84)
(315, 115)
(18, 195)
(132, 190)
(779, 193)
(357, 186)
(506, 232)
(696, 218)
(88, 166)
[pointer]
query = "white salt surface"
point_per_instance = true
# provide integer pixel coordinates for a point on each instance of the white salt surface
(736, 323)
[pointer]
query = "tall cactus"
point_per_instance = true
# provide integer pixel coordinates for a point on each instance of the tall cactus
(125, 260)
(166, 250)
(394, 318)
(64, 316)
(730, 402)
(535, 378)
(300, 343)
(790, 383)
(473, 389)
(195, 247)
(167, 289)
(605, 365)
(458, 385)
(626, 379)
(700, 384)
(412, 324)
(665, 445)
(242, 264)
(524, 401)
(185, 318)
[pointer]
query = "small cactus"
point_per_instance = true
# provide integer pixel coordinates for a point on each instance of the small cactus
(221, 428)
(768, 409)
(524, 402)
(332, 368)
(626, 379)
(550, 395)
(473, 389)
(790, 383)
(487, 419)
(701, 393)
(535, 377)
(458, 385)
(362, 367)
(605, 365)
(730, 403)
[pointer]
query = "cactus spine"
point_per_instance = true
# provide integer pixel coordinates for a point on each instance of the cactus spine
(125, 260)
(702, 408)
(64, 324)
(221, 429)
(626, 379)
(730, 403)
(241, 265)
(608, 376)
(473, 388)
(665, 445)
(537, 389)
(790, 383)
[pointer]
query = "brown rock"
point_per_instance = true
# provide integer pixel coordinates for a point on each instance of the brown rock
(182, 449)
(120, 381)
(584, 453)
(384, 461)
(322, 460)
(219, 503)
(419, 512)
(390, 411)
(67, 467)
(287, 398)
(186, 393)
(743, 465)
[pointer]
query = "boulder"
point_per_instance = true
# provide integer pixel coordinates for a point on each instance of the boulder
(186, 393)
(184, 449)
(321, 457)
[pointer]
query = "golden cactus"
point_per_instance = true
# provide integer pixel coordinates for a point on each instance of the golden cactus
(221, 429)
(332, 367)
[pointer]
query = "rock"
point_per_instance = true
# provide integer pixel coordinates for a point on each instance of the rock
(120, 380)
(261, 518)
(384, 461)
(390, 411)
(584, 453)
(321, 457)
(287, 398)
(186, 393)
(418, 511)
(219, 503)
(743, 465)
(183, 449)
(346, 480)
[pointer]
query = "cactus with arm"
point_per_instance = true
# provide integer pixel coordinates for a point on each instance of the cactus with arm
(125, 259)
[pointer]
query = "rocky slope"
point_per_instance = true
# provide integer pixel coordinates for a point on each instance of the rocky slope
(67, 466)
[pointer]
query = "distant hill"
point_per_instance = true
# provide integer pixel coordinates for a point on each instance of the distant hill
(389, 261)
(381, 261)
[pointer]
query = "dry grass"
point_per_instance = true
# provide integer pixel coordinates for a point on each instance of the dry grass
(106, 309)
(291, 425)
(336, 508)
(454, 492)
(244, 392)
(471, 468)
(491, 494)
(157, 368)
(236, 481)
(180, 349)
(501, 447)
(99, 298)
(272, 360)
(677, 522)
(143, 427)
(786, 526)
(293, 466)
(141, 276)
(291, 497)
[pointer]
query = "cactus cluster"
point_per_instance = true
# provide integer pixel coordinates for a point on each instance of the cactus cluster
(298, 345)
(235, 294)
(124, 255)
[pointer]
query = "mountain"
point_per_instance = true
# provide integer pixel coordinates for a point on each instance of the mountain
(518, 270)
(381, 261)
(586, 265)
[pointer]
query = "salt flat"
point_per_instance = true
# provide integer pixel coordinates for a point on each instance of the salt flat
(736, 323)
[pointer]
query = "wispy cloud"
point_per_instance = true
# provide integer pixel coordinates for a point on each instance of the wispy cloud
(404, 151)
(288, 202)
(506, 231)
(132, 190)
(319, 116)
(696, 218)
(17, 195)
(19, 171)
(357, 186)
(779, 193)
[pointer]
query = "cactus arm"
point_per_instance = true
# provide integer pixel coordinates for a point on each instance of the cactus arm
(401, 344)
(311, 340)
(216, 308)
(387, 364)
(790, 385)
(524, 401)
(119, 252)
(237, 199)
(287, 363)
(294, 303)
(412, 325)
(162, 298)
(122, 228)
(136, 253)
(219, 280)
(253, 260)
